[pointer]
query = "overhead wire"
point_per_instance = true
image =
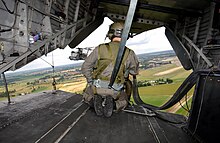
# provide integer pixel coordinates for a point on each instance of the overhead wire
(186, 103)
(183, 106)
(52, 65)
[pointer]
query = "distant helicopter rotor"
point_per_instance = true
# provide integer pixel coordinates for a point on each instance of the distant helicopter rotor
(80, 54)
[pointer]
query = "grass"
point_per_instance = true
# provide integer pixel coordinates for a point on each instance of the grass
(42, 88)
(155, 100)
(159, 90)
(159, 94)
(3, 98)
(149, 74)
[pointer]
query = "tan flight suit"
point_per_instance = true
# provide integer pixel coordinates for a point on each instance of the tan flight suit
(130, 62)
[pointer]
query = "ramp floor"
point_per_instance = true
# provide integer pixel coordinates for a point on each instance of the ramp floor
(63, 117)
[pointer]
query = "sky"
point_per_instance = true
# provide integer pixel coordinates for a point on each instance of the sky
(146, 42)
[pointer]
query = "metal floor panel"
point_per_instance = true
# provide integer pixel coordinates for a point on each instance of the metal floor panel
(120, 128)
(63, 117)
(27, 121)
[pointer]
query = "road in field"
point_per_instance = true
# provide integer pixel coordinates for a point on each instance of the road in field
(177, 106)
(168, 71)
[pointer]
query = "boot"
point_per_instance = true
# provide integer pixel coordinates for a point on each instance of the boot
(98, 105)
(108, 106)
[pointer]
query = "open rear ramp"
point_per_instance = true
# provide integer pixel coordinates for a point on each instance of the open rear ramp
(62, 117)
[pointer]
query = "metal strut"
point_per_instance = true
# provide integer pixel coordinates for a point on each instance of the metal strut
(199, 51)
(54, 80)
(125, 33)
(6, 88)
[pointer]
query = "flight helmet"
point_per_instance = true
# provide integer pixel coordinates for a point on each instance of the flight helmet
(115, 30)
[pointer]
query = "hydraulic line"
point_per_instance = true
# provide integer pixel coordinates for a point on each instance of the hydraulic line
(178, 95)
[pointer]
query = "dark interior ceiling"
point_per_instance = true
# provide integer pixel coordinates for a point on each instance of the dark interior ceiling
(152, 12)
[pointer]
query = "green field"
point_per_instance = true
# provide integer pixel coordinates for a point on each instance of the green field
(149, 74)
(159, 94)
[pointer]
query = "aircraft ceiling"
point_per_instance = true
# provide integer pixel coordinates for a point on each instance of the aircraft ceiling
(71, 21)
(153, 13)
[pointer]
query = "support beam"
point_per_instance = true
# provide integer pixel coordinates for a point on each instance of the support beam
(180, 50)
(185, 12)
(85, 32)
(75, 17)
(196, 30)
(6, 88)
(22, 37)
(212, 12)
(139, 20)
(77, 11)
(199, 51)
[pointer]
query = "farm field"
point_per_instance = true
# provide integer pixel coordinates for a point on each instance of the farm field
(159, 94)
(71, 80)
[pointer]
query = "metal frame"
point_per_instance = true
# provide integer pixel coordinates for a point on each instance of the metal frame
(76, 16)
(180, 50)
(55, 36)
(22, 34)
(196, 30)
(199, 51)
(212, 12)
(139, 20)
(37, 47)
(186, 12)
(6, 88)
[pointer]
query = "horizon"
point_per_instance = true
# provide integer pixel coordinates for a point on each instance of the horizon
(80, 62)
(145, 42)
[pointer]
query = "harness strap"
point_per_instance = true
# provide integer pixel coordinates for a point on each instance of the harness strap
(106, 61)
(104, 65)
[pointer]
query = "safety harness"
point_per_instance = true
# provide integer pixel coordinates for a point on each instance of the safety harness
(107, 55)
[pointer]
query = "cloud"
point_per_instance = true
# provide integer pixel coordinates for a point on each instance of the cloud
(150, 41)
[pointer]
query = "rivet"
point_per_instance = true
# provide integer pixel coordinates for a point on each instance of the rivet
(21, 33)
(22, 21)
